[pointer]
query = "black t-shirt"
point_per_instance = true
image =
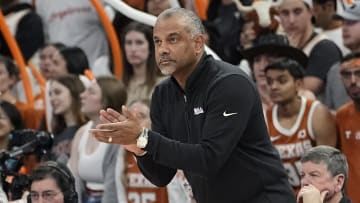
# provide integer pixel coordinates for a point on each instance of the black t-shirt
(321, 58)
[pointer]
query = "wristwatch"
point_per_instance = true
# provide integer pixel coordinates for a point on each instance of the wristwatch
(142, 140)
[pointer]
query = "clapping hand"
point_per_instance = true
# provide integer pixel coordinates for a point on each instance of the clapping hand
(119, 128)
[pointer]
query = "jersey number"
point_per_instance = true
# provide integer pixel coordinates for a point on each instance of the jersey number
(144, 197)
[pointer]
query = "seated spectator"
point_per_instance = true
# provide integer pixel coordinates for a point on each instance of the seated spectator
(296, 19)
(323, 12)
(10, 119)
(348, 119)
(68, 60)
(52, 182)
(336, 95)
(67, 118)
(98, 184)
(265, 49)
(324, 172)
(9, 75)
(45, 56)
(140, 69)
(295, 123)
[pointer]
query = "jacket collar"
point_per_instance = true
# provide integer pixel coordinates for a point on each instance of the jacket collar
(195, 76)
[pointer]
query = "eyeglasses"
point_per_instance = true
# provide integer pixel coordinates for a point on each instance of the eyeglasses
(348, 74)
(47, 195)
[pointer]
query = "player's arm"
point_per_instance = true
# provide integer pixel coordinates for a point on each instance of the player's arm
(313, 84)
(324, 127)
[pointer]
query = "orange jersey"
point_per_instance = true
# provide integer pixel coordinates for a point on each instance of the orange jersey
(348, 125)
(294, 142)
(139, 189)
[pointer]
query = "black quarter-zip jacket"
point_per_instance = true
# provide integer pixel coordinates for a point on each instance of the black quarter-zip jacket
(215, 131)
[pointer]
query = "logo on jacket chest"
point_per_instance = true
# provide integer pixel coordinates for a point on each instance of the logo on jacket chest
(198, 110)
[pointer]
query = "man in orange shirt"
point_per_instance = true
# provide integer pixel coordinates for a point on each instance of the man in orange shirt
(348, 122)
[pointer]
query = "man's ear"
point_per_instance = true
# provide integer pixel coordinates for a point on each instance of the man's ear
(340, 181)
(199, 43)
(299, 83)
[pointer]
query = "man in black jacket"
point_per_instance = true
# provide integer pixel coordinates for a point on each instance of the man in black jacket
(206, 120)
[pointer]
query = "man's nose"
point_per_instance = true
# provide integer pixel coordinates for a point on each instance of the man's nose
(163, 48)
(353, 78)
(304, 181)
(274, 85)
(291, 18)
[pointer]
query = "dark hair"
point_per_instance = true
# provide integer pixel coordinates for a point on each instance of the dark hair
(13, 113)
(57, 45)
(350, 57)
(322, 2)
(76, 60)
(11, 68)
(294, 68)
(113, 92)
(151, 68)
(62, 176)
(75, 86)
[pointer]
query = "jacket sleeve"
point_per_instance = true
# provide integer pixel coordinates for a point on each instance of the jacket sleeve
(231, 102)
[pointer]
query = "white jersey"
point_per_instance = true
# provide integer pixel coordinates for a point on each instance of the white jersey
(74, 23)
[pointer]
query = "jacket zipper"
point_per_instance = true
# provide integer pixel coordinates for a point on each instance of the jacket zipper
(187, 118)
